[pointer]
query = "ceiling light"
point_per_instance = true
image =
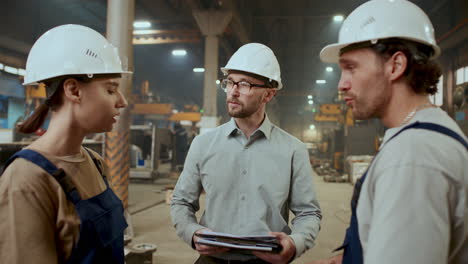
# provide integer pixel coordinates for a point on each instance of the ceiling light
(179, 52)
(198, 69)
(141, 24)
(1, 66)
(309, 97)
(311, 102)
(218, 82)
(338, 18)
(144, 32)
(320, 81)
(329, 69)
(11, 70)
(22, 72)
(312, 127)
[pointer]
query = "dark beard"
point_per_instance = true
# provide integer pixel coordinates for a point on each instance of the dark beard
(245, 111)
(240, 114)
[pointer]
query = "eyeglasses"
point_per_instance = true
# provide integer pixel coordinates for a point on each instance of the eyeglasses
(244, 87)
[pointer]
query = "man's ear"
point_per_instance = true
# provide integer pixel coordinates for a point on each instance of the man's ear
(269, 95)
(397, 65)
(72, 90)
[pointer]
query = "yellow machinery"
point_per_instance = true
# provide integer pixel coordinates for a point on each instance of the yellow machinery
(338, 160)
(155, 109)
(330, 109)
(189, 116)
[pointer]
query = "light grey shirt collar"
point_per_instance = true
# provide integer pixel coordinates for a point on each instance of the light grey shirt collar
(231, 128)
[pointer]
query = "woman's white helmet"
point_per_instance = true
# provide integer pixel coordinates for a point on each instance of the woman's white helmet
(383, 19)
(71, 50)
(255, 58)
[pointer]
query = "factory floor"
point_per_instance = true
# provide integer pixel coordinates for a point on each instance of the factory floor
(151, 221)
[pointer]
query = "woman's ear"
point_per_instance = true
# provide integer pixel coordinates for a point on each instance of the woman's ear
(72, 90)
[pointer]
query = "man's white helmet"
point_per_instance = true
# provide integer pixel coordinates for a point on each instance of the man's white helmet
(71, 50)
(255, 58)
(382, 19)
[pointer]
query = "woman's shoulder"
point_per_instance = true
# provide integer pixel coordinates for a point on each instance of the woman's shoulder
(24, 175)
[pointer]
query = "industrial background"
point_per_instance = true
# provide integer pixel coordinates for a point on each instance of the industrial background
(175, 49)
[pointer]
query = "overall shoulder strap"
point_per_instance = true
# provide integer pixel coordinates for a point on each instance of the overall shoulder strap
(96, 161)
(41, 161)
(416, 125)
(99, 166)
(441, 129)
(34, 157)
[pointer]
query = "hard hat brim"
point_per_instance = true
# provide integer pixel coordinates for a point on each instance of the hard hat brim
(36, 82)
(225, 71)
(331, 53)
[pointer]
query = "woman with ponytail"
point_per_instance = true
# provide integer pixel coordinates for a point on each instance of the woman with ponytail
(56, 205)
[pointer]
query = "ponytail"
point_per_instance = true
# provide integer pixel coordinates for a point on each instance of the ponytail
(55, 87)
(35, 121)
(37, 118)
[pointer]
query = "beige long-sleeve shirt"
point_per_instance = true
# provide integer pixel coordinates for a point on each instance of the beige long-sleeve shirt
(413, 206)
(251, 185)
(37, 222)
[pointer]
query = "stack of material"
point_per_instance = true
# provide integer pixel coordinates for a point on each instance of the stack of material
(357, 166)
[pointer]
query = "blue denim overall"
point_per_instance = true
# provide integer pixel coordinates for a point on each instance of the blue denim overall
(352, 244)
(102, 216)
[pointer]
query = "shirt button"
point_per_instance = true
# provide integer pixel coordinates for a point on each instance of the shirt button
(244, 172)
(242, 197)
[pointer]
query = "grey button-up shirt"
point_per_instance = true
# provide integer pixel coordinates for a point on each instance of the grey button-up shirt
(250, 184)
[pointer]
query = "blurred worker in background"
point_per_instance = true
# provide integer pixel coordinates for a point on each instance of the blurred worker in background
(55, 202)
(411, 206)
(253, 172)
(181, 144)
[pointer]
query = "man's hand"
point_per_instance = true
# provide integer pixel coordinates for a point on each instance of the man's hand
(204, 249)
(333, 260)
(288, 252)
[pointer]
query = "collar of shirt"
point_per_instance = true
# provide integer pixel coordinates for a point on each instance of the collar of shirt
(265, 127)
(421, 116)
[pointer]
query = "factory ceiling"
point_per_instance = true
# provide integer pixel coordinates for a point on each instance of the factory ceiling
(296, 31)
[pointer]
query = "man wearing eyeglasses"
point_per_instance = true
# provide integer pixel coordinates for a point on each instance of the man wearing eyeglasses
(253, 172)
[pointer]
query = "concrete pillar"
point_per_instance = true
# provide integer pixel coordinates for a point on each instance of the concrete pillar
(449, 85)
(211, 23)
(211, 70)
(120, 16)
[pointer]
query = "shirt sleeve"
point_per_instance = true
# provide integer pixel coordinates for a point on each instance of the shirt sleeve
(27, 220)
(185, 198)
(411, 217)
(303, 203)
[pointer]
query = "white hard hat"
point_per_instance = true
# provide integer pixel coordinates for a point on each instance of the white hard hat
(383, 19)
(71, 50)
(255, 58)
